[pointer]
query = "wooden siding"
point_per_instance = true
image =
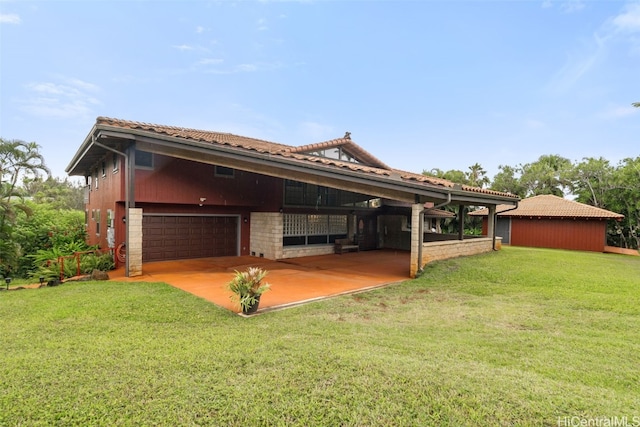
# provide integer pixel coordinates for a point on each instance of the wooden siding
(179, 181)
(575, 234)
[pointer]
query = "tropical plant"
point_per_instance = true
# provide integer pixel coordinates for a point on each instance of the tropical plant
(247, 287)
(18, 159)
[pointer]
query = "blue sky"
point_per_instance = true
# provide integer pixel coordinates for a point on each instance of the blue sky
(419, 84)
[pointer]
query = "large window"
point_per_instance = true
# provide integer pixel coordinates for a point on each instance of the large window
(317, 196)
(313, 229)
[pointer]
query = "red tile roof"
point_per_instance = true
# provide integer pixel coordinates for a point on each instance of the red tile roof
(549, 206)
(370, 165)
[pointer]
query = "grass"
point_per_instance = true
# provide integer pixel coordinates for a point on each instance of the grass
(518, 337)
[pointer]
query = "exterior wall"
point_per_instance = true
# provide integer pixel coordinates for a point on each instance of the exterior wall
(582, 235)
(300, 251)
(266, 235)
(109, 191)
(184, 182)
(434, 251)
(175, 186)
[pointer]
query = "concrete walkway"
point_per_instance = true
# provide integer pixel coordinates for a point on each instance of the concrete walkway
(293, 281)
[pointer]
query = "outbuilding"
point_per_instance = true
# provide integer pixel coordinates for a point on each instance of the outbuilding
(550, 221)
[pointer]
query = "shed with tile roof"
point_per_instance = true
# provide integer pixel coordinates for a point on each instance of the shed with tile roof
(169, 192)
(550, 221)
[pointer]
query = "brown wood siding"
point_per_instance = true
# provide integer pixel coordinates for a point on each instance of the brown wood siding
(583, 235)
(179, 181)
(181, 237)
(110, 190)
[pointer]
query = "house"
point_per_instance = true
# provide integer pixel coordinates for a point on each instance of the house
(549, 221)
(165, 192)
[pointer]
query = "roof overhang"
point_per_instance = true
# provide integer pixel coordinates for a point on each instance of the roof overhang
(105, 138)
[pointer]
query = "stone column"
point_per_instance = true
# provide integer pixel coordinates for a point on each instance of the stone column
(416, 238)
(134, 245)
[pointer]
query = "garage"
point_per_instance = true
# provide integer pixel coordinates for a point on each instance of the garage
(166, 237)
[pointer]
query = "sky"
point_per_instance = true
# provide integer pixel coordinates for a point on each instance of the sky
(419, 84)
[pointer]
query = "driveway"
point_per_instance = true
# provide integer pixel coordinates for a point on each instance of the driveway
(293, 281)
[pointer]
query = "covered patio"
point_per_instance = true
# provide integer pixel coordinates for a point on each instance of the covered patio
(294, 281)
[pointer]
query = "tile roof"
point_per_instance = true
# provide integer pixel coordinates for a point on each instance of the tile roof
(549, 206)
(372, 166)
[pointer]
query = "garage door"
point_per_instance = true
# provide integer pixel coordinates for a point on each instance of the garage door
(179, 237)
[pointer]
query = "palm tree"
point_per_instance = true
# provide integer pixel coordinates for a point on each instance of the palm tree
(18, 159)
(636, 104)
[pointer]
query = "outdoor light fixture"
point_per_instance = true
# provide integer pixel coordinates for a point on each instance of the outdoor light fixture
(246, 220)
(7, 280)
(202, 200)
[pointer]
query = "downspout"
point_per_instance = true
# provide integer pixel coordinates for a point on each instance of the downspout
(126, 197)
(495, 224)
(421, 229)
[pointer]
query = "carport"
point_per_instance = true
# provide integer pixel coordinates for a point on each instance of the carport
(294, 281)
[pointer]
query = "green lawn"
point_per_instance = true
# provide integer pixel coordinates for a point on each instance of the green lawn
(517, 337)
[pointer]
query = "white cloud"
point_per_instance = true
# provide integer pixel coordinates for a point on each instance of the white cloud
(10, 18)
(183, 47)
(628, 21)
(200, 30)
(567, 6)
(572, 6)
(619, 29)
(71, 98)
(262, 24)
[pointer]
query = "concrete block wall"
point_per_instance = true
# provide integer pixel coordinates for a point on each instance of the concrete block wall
(134, 246)
(266, 235)
(300, 251)
(434, 251)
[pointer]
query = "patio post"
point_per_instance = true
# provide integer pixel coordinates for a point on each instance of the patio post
(416, 239)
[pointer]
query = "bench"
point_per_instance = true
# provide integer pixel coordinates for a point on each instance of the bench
(345, 245)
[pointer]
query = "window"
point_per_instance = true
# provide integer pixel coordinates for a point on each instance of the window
(109, 218)
(97, 222)
(224, 172)
(314, 229)
(103, 168)
(144, 159)
(116, 163)
(303, 194)
(95, 180)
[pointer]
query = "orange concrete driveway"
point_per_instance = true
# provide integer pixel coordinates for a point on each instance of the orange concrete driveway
(293, 281)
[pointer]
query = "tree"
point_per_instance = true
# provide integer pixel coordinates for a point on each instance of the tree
(550, 174)
(636, 104)
(593, 181)
(507, 181)
(56, 192)
(477, 176)
(625, 199)
(18, 159)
